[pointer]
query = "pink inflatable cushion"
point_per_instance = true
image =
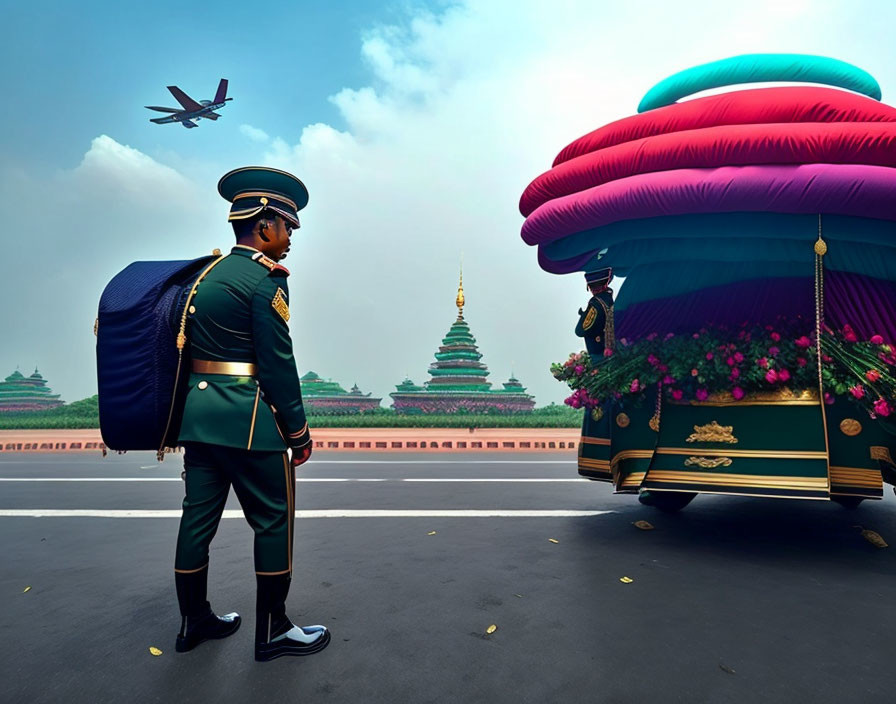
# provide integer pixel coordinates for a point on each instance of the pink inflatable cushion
(845, 189)
(727, 145)
(742, 107)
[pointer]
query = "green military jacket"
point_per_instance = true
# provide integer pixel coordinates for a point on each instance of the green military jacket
(239, 314)
(596, 325)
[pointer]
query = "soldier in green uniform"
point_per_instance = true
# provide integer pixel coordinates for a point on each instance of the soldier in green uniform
(596, 321)
(243, 415)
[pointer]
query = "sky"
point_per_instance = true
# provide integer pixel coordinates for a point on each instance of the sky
(415, 125)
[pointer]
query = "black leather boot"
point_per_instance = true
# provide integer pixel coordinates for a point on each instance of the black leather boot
(275, 634)
(198, 622)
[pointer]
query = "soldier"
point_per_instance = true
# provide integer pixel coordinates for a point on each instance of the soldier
(596, 321)
(243, 411)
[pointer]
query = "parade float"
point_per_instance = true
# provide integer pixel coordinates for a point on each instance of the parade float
(756, 231)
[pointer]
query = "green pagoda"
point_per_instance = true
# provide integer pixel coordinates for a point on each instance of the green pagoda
(326, 396)
(459, 379)
(21, 393)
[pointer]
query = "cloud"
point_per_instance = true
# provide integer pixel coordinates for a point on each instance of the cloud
(255, 134)
(70, 232)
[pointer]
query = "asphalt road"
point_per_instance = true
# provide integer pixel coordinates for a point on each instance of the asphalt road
(732, 600)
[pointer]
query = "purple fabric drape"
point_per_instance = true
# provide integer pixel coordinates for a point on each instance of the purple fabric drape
(759, 301)
(867, 304)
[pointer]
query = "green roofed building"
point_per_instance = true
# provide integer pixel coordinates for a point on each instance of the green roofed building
(459, 380)
(21, 393)
(326, 396)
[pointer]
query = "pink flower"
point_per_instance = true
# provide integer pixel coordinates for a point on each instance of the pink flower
(774, 351)
(677, 394)
(802, 342)
(694, 372)
(668, 380)
(735, 373)
(662, 368)
(634, 386)
(652, 336)
(775, 336)
(696, 335)
(738, 357)
(608, 352)
(801, 361)
(877, 340)
(858, 390)
(825, 358)
(702, 394)
(783, 375)
(828, 398)
(730, 361)
(709, 355)
(849, 334)
(872, 375)
(669, 336)
(579, 370)
(771, 376)
(762, 362)
(652, 360)
(882, 408)
(738, 393)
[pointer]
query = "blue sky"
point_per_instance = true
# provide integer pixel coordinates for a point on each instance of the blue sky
(415, 125)
(79, 69)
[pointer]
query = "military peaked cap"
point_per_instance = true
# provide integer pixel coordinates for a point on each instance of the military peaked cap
(598, 275)
(253, 189)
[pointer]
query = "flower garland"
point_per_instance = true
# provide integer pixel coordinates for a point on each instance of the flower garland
(739, 361)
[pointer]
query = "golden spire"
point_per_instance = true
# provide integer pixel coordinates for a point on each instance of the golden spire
(459, 301)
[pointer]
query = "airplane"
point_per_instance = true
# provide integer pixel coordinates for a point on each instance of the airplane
(191, 110)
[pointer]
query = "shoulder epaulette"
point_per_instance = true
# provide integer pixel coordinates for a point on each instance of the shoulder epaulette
(270, 264)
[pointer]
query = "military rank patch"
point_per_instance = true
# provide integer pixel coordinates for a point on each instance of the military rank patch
(589, 318)
(279, 305)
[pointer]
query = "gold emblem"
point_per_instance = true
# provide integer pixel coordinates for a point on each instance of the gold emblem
(821, 247)
(192, 310)
(279, 305)
(654, 424)
(713, 433)
(216, 252)
(202, 385)
(622, 420)
(850, 426)
(879, 452)
(708, 462)
(597, 413)
(589, 318)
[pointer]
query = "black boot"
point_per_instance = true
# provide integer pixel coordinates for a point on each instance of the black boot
(198, 622)
(275, 634)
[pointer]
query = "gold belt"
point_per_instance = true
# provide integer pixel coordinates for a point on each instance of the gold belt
(204, 366)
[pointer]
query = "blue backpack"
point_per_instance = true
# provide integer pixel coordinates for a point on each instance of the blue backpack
(141, 369)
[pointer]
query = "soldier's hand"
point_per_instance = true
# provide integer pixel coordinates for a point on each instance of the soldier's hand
(301, 456)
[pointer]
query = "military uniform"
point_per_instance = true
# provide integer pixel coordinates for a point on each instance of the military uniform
(243, 410)
(596, 321)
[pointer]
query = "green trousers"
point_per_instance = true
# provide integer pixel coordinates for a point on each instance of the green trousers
(265, 485)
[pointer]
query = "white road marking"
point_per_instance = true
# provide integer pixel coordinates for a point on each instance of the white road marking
(303, 479)
(320, 513)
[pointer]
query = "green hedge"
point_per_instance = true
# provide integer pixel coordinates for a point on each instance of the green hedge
(85, 414)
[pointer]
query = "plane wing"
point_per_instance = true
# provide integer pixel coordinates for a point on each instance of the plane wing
(211, 116)
(156, 107)
(184, 99)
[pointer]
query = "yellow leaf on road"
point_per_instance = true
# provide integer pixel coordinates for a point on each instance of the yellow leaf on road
(432, 532)
(643, 525)
(491, 629)
(155, 651)
(553, 541)
(26, 589)
(626, 580)
(874, 539)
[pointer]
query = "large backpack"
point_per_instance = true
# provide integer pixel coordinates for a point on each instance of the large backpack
(141, 369)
